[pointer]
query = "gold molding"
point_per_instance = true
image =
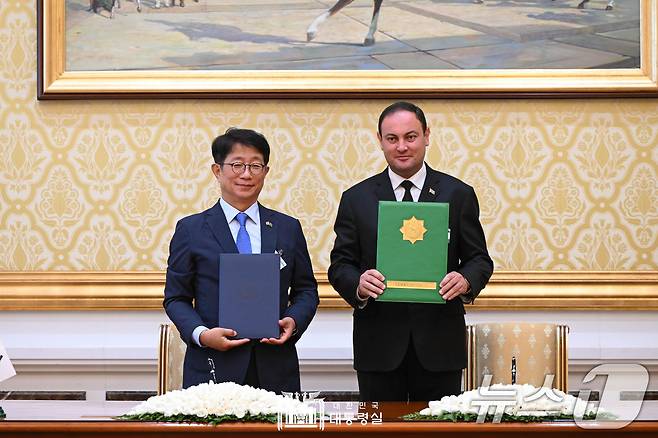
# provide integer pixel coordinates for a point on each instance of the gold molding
(137, 290)
(57, 83)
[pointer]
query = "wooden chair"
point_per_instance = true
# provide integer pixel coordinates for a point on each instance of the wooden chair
(539, 350)
(171, 352)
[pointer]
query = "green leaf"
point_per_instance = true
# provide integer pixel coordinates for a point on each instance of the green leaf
(210, 419)
(456, 417)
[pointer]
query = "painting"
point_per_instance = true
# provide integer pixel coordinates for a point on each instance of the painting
(311, 48)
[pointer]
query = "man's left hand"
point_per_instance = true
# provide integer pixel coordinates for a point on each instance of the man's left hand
(453, 285)
(287, 326)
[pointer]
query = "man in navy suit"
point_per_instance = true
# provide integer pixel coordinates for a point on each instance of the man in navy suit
(407, 351)
(191, 289)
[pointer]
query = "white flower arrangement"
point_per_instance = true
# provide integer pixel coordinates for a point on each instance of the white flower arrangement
(213, 403)
(506, 402)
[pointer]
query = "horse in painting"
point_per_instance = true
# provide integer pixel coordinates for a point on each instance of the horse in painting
(312, 30)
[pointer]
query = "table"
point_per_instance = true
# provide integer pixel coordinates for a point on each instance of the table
(85, 419)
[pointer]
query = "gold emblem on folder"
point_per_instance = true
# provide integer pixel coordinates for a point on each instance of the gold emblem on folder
(413, 229)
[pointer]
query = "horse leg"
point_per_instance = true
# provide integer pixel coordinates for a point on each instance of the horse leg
(312, 29)
(581, 5)
(610, 5)
(370, 38)
(115, 4)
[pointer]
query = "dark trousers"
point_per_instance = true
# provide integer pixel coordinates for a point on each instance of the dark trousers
(251, 378)
(408, 382)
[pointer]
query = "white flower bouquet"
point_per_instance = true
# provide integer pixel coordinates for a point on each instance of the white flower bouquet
(215, 403)
(508, 403)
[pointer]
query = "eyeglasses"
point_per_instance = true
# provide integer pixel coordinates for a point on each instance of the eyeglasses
(239, 168)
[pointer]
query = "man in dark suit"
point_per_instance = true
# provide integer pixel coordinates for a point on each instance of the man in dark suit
(405, 351)
(238, 222)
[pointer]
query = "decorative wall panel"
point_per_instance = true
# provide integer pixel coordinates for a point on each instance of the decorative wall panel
(99, 185)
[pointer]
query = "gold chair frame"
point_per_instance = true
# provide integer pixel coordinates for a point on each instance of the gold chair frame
(561, 380)
(169, 346)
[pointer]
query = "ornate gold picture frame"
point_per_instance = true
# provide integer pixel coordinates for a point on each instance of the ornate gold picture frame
(55, 82)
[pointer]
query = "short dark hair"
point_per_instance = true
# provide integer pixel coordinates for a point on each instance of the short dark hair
(223, 145)
(402, 106)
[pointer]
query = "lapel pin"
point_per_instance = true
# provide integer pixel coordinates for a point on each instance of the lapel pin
(268, 224)
(432, 192)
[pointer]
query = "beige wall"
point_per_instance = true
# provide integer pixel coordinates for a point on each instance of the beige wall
(99, 185)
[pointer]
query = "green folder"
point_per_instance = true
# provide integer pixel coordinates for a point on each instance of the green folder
(412, 250)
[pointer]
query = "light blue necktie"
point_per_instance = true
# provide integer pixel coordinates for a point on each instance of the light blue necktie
(242, 241)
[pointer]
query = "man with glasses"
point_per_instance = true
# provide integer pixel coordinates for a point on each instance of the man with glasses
(407, 351)
(238, 223)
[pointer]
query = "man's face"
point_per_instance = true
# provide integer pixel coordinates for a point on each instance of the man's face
(403, 141)
(240, 190)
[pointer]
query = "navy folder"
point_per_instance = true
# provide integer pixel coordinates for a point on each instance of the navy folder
(249, 294)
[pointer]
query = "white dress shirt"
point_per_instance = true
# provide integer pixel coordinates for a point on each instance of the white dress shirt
(417, 179)
(252, 225)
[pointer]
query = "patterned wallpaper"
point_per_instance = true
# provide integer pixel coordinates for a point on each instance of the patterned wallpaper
(99, 185)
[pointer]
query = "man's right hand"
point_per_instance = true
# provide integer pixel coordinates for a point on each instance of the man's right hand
(371, 284)
(218, 339)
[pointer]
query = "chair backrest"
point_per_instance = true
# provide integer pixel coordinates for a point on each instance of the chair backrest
(171, 352)
(539, 350)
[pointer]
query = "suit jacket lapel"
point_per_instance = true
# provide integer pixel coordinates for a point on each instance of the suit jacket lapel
(219, 227)
(384, 190)
(268, 232)
(430, 190)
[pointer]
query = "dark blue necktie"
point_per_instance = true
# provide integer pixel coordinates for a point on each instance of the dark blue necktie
(242, 241)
